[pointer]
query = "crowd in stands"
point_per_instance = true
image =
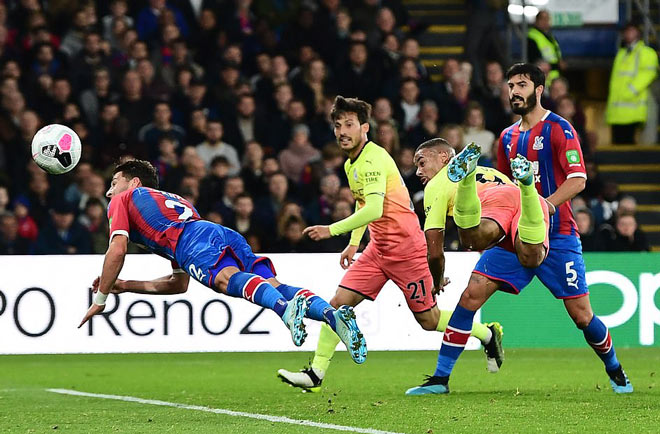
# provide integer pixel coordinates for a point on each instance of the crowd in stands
(230, 100)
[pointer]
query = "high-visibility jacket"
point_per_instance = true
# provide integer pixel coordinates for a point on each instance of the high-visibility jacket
(549, 48)
(632, 73)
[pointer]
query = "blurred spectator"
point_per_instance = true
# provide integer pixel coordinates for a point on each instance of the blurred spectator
(27, 227)
(94, 218)
(406, 164)
(134, 105)
(162, 125)
(407, 111)
(148, 20)
(93, 187)
(388, 137)
(494, 98)
(268, 207)
(213, 146)
(474, 131)
(248, 124)
(455, 106)
(604, 206)
(292, 239)
(63, 235)
(428, 127)
(92, 99)
(167, 163)
(118, 9)
(635, 68)
(542, 45)
(155, 88)
(252, 171)
(298, 154)
(453, 134)
(358, 78)
(590, 238)
(567, 109)
(4, 198)
(319, 212)
(112, 136)
(212, 186)
(224, 204)
(244, 221)
(90, 58)
(627, 237)
(11, 243)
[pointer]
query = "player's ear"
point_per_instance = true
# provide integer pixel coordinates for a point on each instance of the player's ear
(365, 127)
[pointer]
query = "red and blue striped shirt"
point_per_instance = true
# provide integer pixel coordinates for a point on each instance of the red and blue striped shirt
(151, 218)
(553, 148)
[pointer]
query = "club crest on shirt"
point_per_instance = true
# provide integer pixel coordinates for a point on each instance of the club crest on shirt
(538, 143)
(355, 175)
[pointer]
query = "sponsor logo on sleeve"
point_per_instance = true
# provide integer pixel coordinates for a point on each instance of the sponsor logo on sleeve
(573, 156)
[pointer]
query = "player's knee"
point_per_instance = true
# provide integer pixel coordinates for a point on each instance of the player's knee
(428, 324)
(471, 299)
(428, 320)
(582, 319)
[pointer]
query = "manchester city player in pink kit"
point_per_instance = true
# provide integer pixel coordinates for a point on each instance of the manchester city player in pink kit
(216, 256)
(550, 143)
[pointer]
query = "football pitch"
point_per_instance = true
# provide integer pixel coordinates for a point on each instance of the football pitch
(536, 391)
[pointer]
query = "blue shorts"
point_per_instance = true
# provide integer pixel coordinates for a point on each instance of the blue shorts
(562, 272)
(205, 248)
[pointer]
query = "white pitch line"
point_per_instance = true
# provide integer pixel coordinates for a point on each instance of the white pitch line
(270, 418)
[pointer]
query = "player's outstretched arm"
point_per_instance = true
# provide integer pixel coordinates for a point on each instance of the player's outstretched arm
(435, 256)
(175, 283)
(372, 210)
(112, 265)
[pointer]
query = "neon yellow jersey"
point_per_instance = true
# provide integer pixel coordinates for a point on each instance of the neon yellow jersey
(439, 194)
(375, 172)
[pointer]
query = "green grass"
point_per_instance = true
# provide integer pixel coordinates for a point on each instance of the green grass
(536, 391)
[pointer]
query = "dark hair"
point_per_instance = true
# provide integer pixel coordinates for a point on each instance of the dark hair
(528, 69)
(139, 169)
(437, 142)
(342, 105)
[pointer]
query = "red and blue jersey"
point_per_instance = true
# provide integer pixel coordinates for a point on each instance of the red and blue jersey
(151, 218)
(553, 148)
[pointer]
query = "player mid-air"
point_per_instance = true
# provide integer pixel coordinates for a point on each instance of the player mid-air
(488, 209)
(397, 250)
(550, 143)
(216, 256)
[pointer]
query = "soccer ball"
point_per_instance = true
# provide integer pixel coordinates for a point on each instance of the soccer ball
(56, 149)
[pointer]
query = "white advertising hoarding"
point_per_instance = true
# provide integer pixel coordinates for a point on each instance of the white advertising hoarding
(567, 12)
(43, 299)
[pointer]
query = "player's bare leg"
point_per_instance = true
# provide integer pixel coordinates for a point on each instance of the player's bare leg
(598, 337)
(236, 283)
(478, 291)
(310, 378)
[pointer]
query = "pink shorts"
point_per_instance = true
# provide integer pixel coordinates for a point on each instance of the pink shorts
(372, 270)
(502, 204)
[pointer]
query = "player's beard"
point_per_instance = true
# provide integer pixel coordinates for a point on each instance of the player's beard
(355, 142)
(529, 105)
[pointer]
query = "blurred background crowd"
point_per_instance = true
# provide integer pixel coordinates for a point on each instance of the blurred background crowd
(230, 101)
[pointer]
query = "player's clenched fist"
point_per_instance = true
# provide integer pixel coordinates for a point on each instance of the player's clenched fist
(317, 233)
